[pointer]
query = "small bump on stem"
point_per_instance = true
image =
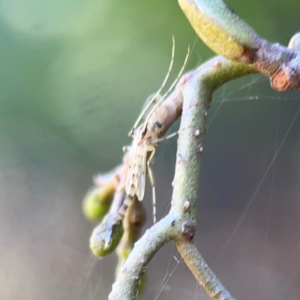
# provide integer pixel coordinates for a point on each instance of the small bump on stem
(196, 132)
(186, 205)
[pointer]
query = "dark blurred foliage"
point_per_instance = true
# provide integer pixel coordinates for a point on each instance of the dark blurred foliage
(74, 76)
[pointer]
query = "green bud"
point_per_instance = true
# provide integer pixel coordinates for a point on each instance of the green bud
(97, 201)
(106, 236)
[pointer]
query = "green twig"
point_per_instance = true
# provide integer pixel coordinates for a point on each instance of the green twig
(180, 224)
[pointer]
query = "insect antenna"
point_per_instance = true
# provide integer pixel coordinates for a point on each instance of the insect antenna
(171, 87)
(157, 93)
(150, 172)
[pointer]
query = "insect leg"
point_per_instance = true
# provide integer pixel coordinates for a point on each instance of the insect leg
(152, 182)
(166, 137)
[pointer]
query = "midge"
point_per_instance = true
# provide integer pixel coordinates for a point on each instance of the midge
(145, 140)
(137, 163)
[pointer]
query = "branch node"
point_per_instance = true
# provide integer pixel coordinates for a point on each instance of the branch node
(280, 81)
(189, 230)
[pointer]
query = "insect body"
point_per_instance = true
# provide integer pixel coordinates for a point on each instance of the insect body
(145, 141)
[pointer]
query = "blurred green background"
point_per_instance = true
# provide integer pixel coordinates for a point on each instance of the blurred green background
(74, 76)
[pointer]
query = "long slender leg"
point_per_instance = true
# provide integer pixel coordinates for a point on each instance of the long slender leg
(152, 182)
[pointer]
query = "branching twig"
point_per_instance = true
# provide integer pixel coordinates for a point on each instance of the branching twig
(201, 271)
(227, 35)
(196, 89)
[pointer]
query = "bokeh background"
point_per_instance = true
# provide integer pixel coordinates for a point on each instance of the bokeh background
(74, 76)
